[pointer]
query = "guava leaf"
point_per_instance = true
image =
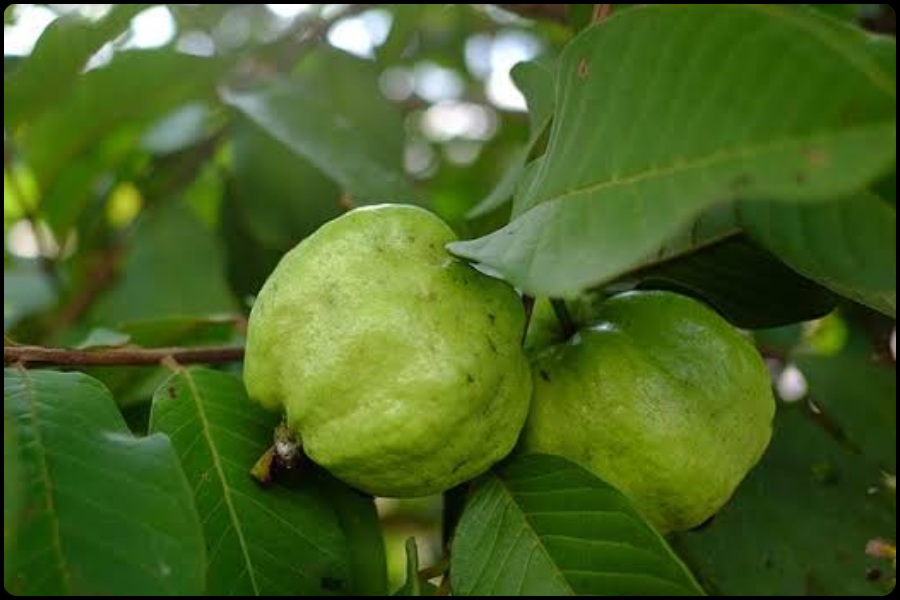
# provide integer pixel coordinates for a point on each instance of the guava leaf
(174, 268)
(102, 337)
(535, 80)
(663, 111)
(799, 524)
(860, 395)
(286, 539)
(104, 513)
(542, 526)
(745, 284)
(340, 124)
(299, 198)
(848, 245)
(88, 131)
(58, 57)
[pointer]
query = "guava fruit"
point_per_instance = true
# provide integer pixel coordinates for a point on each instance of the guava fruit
(662, 398)
(399, 366)
(544, 328)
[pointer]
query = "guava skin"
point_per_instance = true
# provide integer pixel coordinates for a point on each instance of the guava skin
(662, 398)
(399, 365)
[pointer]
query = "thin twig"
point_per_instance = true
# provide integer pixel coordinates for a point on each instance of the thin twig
(566, 323)
(119, 356)
(558, 13)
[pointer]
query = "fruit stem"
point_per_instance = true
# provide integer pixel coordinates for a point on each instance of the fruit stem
(528, 305)
(564, 317)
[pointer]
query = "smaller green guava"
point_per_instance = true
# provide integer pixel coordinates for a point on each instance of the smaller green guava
(399, 366)
(662, 398)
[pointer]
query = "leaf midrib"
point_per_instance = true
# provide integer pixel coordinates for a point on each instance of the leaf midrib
(48, 484)
(560, 572)
(536, 539)
(226, 491)
(722, 156)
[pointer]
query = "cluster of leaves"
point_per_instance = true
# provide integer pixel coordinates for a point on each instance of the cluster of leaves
(745, 155)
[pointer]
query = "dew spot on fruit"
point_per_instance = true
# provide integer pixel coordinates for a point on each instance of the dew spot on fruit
(493, 346)
(469, 378)
(545, 376)
(492, 318)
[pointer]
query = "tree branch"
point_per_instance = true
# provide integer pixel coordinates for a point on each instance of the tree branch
(119, 356)
(558, 13)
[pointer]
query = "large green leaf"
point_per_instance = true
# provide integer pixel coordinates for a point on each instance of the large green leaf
(848, 245)
(711, 260)
(747, 285)
(535, 80)
(287, 539)
(249, 261)
(73, 145)
(799, 523)
(663, 111)
(105, 513)
(60, 54)
(860, 396)
(174, 268)
(332, 115)
(298, 198)
(542, 526)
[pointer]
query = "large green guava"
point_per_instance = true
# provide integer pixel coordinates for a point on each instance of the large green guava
(400, 366)
(662, 398)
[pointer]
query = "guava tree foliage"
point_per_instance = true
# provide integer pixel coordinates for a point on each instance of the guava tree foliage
(744, 156)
